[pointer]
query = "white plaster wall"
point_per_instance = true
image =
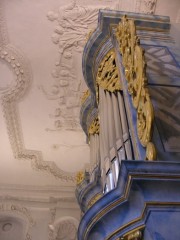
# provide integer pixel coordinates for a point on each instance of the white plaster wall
(168, 8)
(175, 31)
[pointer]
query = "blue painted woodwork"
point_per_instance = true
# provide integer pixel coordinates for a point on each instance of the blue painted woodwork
(147, 194)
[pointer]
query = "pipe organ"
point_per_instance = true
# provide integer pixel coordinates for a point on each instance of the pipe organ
(114, 138)
(133, 148)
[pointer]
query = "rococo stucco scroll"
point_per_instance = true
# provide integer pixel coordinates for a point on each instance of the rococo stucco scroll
(10, 97)
(72, 24)
(15, 211)
(146, 6)
(64, 228)
(11, 94)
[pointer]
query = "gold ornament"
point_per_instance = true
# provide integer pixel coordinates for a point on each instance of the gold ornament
(133, 60)
(85, 95)
(107, 76)
(150, 151)
(80, 177)
(94, 200)
(137, 235)
(94, 127)
(145, 117)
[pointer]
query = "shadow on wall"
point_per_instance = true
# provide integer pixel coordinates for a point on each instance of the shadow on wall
(175, 32)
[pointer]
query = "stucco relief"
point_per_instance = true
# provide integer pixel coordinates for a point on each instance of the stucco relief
(11, 94)
(9, 98)
(14, 211)
(51, 227)
(146, 6)
(64, 228)
(72, 24)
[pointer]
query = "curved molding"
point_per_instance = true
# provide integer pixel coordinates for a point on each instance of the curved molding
(73, 24)
(20, 67)
(19, 211)
(10, 98)
(141, 184)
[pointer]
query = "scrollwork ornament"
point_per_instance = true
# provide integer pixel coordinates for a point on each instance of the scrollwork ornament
(107, 76)
(18, 210)
(94, 127)
(145, 116)
(94, 200)
(9, 98)
(150, 152)
(134, 63)
(140, 80)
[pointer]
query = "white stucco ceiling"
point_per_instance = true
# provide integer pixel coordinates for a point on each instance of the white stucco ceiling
(42, 145)
(41, 83)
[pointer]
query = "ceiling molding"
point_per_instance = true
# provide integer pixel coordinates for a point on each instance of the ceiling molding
(10, 97)
(16, 211)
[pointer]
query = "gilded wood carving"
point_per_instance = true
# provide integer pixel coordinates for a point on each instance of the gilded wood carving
(107, 76)
(135, 235)
(134, 63)
(80, 177)
(94, 127)
(85, 95)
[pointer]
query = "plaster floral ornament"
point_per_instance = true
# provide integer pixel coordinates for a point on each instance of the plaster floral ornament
(72, 25)
(146, 6)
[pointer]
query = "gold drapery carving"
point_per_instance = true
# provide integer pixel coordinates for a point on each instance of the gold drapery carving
(134, 63)
(94, 127)
(107, 76)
